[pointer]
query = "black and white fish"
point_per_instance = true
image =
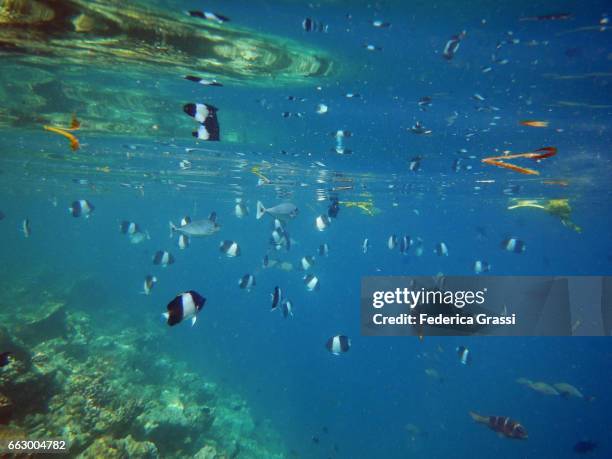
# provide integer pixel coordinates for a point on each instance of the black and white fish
(287, 308)
(230, 248)
(5, 358)
(186, 220)
(322, 109)
(184, 306)
(163, 258)
(334, 208)
(202, 81)
(130, 228)
(419, 129)
(82, 207)
(452, 45)
(352, 95)
(183, 241)
(311, 281)
(324, 250)
(342, 150)
(441, 249)
(513, 245)
(26, 228)
(322, 222)
(247, 282)
(149, 282)
(392, 242)
(371, 47)
(292, 114)
(381, 24)
(206, 115)
(307, 262)
(185, 164)
(365, 245)
(414, 164)
(338, 344)
(198, 228)
(240, 208)
(311, 25)
(276, 297)
(285, 209)
(464, 355)
(481, 267)
(209, 16)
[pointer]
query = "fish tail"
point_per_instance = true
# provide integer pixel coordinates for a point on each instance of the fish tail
(478, 418)
(261, 210)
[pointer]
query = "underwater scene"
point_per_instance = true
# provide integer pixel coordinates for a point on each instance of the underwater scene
(191, 192)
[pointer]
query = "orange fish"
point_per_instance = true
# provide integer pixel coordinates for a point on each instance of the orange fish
(502, 425)
(533, 123)
(74, 142)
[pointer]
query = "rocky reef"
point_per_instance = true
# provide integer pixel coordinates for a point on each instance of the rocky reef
(112, 392)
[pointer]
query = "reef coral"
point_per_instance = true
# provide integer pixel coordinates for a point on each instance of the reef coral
(112, 392)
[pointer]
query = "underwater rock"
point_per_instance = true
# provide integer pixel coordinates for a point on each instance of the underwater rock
(110, 448)
(6, 409)
(42, 323)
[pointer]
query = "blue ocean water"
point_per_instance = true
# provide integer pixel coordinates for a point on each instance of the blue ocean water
(377, 400)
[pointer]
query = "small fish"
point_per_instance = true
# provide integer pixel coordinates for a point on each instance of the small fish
(206, 115)
(276, 296)
(533, 123)
(240, 209)
(130, 228)
(424, 103)
(287, 308)
(371, 47)
(185, 164)
(464, 355)
(202, 81)
(324, 250)
(584, 446)
(198, 228)
(548, 17)
(149, 282)
(381, 24)
(311, 25)
(352, 95)
(481, 267)
(26, 228)
(392, 242)
(513, 245)
(502, 425)
(82, 207)
(183, 241)
(338, 344)
(285, 209)
(209, 16)
(322, 222)
(452, 45)
(184, 306)
(441, 249)
(419, 129)
(247, 282)
(163, 258)
(414, 164)
(365, 245)
(322, 109)
(478, 97)
(311, 281)
(307, 262)
(334, 208)
(5, 358)
(230, 248)
(405, 244)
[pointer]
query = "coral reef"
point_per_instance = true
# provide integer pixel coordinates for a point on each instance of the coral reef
(111, 391)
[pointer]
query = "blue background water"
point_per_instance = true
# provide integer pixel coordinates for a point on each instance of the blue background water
(366, 397)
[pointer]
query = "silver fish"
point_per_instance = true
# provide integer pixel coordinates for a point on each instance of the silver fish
(285, 209)
(198, 228)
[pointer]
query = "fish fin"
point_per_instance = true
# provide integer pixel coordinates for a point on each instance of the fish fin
(172, 228)
(193, 320)
(478, 418)
(261, 210)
